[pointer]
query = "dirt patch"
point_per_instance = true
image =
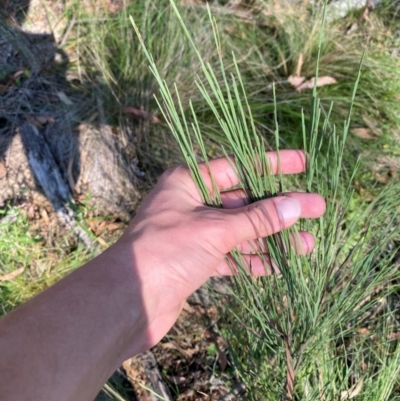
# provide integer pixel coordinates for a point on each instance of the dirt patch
(95, 160)
(192, 358)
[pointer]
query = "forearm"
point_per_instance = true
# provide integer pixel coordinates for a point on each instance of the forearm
(65, 343)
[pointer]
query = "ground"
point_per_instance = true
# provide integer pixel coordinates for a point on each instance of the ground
(98, 133)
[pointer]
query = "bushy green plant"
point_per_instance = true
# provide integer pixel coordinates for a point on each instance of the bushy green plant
(317, 330)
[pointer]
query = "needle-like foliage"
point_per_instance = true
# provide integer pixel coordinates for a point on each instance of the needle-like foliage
(322, 328)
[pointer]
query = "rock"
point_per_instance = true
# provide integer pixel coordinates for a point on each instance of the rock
(340, 8)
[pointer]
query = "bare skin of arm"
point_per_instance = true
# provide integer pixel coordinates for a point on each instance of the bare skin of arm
(66, 342)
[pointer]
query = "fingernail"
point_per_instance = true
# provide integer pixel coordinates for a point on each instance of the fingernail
(289, 210)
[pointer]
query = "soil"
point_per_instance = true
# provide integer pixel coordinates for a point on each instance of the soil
(192, 359)
(94, 159)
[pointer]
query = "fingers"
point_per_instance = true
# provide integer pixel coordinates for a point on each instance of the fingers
(234, 199)
(301, 242)
(269, 216)
(312, 205)
(259, 219)
(223, 172)
(254, 265)
(248, 223)
(261, 264)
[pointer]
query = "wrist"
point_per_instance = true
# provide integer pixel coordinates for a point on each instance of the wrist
(135, 286)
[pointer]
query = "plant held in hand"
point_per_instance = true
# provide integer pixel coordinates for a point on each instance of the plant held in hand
(316, 329)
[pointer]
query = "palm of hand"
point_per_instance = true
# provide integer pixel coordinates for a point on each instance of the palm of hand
(182, 243)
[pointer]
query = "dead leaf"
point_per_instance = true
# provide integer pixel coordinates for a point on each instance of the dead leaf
(41, 120)
(31, 211)
(3, 169)
(127, 366)
(187, 352)
(353, 391)
(363, 133)
(372, 125)
(188, 308)
(141, 114)
(296, 81)
(12, 275)
(64, 98)
(366, 14)
(299, 65)
(222, 360)
(92, 225)
(101, 226)
(44, 215)
(114, 226)
(97, 226)
(176, 379)
(384, 179)
(18, 73)
(44, 119)
(353, 28)
(103, 243)
(322, 81)
(299, 83)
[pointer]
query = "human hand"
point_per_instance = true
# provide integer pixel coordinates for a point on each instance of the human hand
(125, 300)
(178, 242)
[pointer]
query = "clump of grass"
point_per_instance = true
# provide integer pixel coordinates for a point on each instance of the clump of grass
(30, 262)
(271, 44)
(316, 330)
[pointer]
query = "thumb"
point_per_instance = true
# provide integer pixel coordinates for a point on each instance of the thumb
(262, 218)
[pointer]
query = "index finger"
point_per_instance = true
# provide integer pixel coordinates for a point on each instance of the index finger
(289, 162)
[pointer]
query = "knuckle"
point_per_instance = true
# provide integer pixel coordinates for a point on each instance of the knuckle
(212, 223)
(174, 172)
(173, 176)
(261, 219)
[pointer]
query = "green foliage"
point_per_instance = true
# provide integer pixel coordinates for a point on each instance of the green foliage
(315, 330)
(39, 263)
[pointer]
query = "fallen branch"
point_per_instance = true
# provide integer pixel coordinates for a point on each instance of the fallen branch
(48, 175)
(153, 374)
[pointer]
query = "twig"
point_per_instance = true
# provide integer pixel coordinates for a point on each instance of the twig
(64, 38)
(153, 374)
(48, 175)
(290, 371)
